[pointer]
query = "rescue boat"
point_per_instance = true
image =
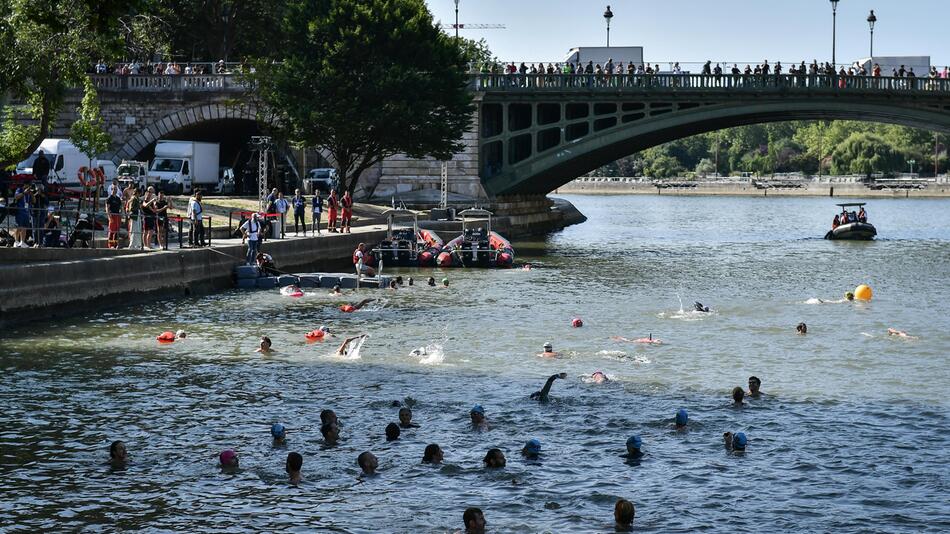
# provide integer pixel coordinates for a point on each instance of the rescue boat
(854, 230)
(407, 246)
(478, 245)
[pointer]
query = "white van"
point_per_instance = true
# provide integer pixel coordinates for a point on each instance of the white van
(65, 160)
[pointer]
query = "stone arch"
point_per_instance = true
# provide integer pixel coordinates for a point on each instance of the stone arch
(181, 119)
(544, 172)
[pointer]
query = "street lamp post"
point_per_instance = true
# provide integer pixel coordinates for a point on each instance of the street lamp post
(912, 163)
(871, 20)
(456, 19)
(834, 29)
(607, 16)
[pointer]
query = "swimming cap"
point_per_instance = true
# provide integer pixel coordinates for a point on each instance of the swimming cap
(739, 441)
(227, 456)
(577, 322)
(635, 442)
(278, 430)
(548, 346)
(180, 334)
(849, 295)
(478, 409)
(681, 417)
(445, 281)
(533, 446)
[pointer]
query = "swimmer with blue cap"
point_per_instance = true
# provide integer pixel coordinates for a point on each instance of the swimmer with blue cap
(735, 442)
(279, 433)
(532, 449)
(477, 414)
(633, 448)
(681, 419)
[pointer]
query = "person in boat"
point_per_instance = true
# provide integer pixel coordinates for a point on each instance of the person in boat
(853, 216)
(754, 385)
(844, 217)
(359, 261)
(836, 222)
(700, 308)
(548, 351)
(347, 346)
(862, 215)
(542, 396)
(266, 345)
(802, 329)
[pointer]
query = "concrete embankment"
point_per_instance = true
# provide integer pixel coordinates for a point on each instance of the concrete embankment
(746, 189)
(37, 284)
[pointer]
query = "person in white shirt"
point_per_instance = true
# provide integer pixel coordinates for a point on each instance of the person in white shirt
(281, 205)
(251, 230)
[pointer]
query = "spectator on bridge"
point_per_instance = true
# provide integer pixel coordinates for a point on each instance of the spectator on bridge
(946, 73)
(299, 203)
(101, 67)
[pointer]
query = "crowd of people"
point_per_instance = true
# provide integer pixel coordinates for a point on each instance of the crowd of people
(170, 68)
(611, 74)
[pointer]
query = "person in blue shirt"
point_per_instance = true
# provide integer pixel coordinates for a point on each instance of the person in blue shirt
(316, 208)
(299, 203)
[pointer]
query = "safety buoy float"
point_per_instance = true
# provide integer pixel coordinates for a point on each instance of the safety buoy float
(315, 335)
(347, 308)
(577, 322)
(91, 177)
(166, 337)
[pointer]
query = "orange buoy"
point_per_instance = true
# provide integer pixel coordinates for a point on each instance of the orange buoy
(314, 335)
(577, 322)
(347, 308)
(166, 337)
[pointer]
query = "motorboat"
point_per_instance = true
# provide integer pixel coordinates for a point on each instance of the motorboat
(478, 245)
(854, 227)
(405, 244)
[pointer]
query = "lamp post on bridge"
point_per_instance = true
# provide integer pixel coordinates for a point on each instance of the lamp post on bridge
(834, 31)
(456, 20)
(607, 16)
(871, 20)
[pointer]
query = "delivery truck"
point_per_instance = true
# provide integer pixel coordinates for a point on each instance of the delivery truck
(180, 167)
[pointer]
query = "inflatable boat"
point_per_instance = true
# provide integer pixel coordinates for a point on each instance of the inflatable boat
(478, 245)
(406, 245)
(850, 225)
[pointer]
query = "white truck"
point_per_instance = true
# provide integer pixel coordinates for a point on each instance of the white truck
(134, 172)
(181, 167)
(601, 54)
(65, 160)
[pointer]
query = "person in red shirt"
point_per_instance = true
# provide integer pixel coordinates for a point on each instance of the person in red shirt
(347, 215)
(332, 204)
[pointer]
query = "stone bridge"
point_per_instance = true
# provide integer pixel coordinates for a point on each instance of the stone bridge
(531, 133)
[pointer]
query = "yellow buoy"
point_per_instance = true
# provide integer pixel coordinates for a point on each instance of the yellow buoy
(863, 292)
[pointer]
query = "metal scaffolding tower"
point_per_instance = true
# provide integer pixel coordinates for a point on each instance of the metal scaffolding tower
(261, 143)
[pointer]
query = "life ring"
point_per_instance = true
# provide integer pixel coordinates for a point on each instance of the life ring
(347, 308)
(166, 337)
(99, 175)
(315, 335)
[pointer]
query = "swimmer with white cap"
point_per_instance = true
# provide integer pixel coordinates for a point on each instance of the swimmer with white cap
(548, 351)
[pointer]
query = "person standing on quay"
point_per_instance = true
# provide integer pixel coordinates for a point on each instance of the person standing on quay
(299, 203)
(317, 208)
(195, 211)
(332, 204)
(347, 203)
(251, 231)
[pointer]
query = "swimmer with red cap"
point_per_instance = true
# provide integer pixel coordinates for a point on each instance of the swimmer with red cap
(350, 308)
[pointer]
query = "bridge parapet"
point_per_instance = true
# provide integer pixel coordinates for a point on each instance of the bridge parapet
(682, 83)
(158, 83)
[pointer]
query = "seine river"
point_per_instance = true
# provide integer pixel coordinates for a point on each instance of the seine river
(852, 434)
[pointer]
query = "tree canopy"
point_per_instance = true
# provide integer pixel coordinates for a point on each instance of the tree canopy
(367, 79)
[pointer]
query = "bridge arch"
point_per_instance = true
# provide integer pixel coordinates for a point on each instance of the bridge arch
(556, 148)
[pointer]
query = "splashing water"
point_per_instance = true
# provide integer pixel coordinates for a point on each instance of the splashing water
(431, 354)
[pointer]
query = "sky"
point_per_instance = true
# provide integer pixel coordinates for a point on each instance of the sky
(730, 31)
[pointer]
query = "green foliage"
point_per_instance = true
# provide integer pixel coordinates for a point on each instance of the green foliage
(87, 133)
(477, 54)
(13, 137)
(659, 165)
(865, 153)
(366, 79)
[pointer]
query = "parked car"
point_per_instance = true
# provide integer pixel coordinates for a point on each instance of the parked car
(320, 179)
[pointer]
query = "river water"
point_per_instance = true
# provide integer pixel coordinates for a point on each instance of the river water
(850, 436)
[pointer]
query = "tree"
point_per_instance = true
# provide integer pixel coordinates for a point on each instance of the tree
(662, 166)
(46, 46)
(865, 153)
(367, 79)
(87, 133)
(704, 167)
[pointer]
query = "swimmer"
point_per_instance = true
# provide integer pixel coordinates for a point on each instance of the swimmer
(228, 459)
(734, 442)
(445, 282)
(494, 459)
(526, 267)
(737, 395)
(409, 281)
(532, 449)
(335, 291)
(431, 281)
(293, 290)
(405, 418)
(393, 285)
(645, 340)
(279, 433)
(331, 433)
(634, 443)
(350, 308)
(392, 432)
(118, 454)
(399, 280)
(433, 454)
(294, 464)
(681, 419)
(698, 306)
(542, 396)
(624, 513)
(899, 333)
(754, 385)
(368, 463)
(849, 296)
(328, 416)
(474, 521)
(802, 329)
(599, 377)
(345, 347)
(479, 422)
(266, 345)
(548, 351)
(181, 334)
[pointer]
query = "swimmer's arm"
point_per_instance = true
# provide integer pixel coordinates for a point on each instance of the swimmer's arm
(363, 302)
(547, 386)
